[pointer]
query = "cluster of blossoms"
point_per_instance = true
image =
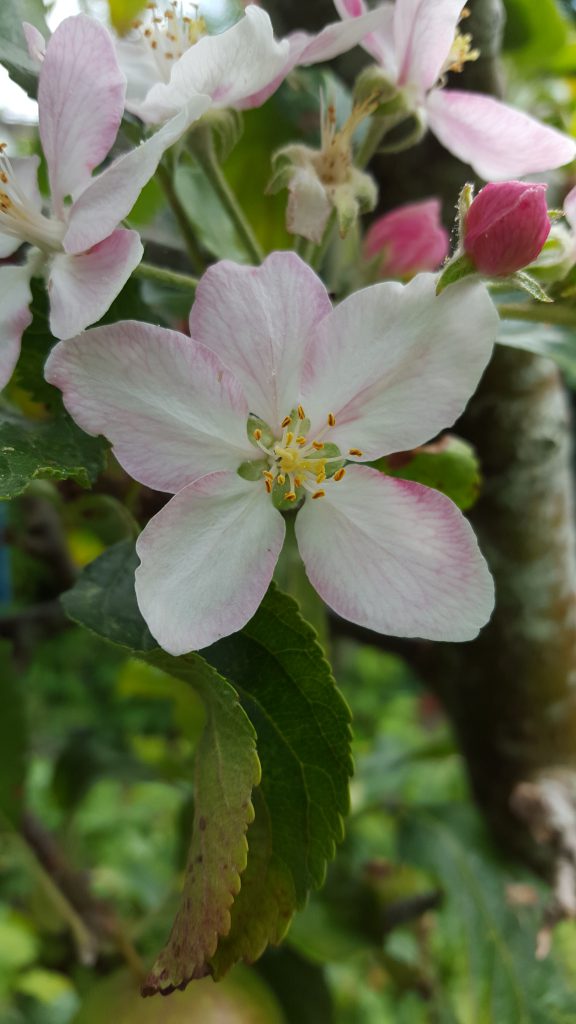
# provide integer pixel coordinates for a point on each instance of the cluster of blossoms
(275, 402)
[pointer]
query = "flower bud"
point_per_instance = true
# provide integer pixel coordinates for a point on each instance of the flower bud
(407, 240)
(506, 227)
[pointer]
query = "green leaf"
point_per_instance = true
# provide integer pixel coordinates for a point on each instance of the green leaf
(454, 271)
(13, 737)
(484, 939)
(529, 284)
(277, 667)
(535, 34)
(56, 449)
(213, 226)
(551, 340)
(227, 768)
(103, 600)
(450, 466)
(13, 50)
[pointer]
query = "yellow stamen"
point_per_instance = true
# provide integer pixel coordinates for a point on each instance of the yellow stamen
(281, 479)
(257, 434)
(268, 484)
(301, 440)
(286, 421)
(355, 451)
(289, 438)
(331, 419)
(290, 496)
(318, 445)
(301, 413)
(321, 477)
(318, 494)
(267, 474)
(339, 474)
(298, 481)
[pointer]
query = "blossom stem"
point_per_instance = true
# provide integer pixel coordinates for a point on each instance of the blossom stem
(564, 316)
(172, 277)
(202, 149)
(187, 231)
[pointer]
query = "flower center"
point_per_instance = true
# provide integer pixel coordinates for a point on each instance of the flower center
(18, 216)
(461, 51)
(295, 464)
(169, 29)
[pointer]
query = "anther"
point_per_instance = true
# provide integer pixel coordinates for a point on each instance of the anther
(286, 421)
(2, 147)
(281, 479)
(331, 419)
(339, 474)
(257, 434)
(301, 413)
(290, 496)
(321, 477)
(267, 474)
(169, 56)
(147, 32)
(318, 494)
(268, 484)
(3, 177)
(355, 451)
(301, 440)
(154, 44)
(298, 481)
(289, 438)
(318, 445)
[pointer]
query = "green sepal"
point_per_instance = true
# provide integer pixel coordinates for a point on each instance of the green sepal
(455, 270)
(528, 284)
(255, 423)
(465, 200)
(252, 470)
(278, 499)
(329, 451)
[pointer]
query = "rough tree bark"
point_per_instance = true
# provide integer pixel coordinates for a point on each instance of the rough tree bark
(511, 694)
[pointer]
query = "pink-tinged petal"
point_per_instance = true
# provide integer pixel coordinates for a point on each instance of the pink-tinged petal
(308, 207)
(496, 140)
(110, 196)
(379, 44)
(171, 409)
(227, 67)
(82, 287)
(207, 559)
(15, 316)
(373, 29)
(80, 100)
(35, 42)
(570, 207)
(410, 239)
(424, 33)
(395, 557)
(257, 320)
(397, 363)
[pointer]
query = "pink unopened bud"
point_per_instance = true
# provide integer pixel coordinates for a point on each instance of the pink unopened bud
(409, 239)
(506, 227)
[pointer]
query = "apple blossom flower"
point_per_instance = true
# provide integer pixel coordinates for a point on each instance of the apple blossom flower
(408, 239)
(170, 57)
(325, 179)
(277, 401)
(506, 227)
(415, 49)
(85, 256)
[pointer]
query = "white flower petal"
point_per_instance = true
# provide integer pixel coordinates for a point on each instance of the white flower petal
(207, 559)
(395, 557)
(15, 316)
(258, 319)
(396, 363)
(171, 409)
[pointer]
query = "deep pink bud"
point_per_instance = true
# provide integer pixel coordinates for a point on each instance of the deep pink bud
(410, 238)
(506, 227)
